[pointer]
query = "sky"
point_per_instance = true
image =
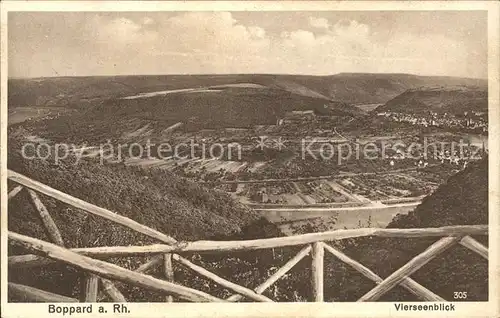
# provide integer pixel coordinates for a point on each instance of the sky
(445, 43)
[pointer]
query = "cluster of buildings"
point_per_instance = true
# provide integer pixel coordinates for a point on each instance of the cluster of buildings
(445, 157)
(263, 195)
(470, 121)
(296, 116)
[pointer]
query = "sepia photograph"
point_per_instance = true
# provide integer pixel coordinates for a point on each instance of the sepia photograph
(238, 154)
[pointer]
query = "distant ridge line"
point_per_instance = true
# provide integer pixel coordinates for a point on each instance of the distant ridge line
(244, 74)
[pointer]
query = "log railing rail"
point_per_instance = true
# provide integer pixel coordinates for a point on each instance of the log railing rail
(98, 275)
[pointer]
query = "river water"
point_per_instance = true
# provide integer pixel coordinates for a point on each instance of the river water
(344, 218)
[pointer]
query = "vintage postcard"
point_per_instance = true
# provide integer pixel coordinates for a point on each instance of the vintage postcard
(200, 159)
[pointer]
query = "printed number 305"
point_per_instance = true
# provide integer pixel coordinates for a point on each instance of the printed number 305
(460, 295)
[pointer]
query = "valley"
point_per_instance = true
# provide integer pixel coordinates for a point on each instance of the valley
(296, 155)
(159, 154)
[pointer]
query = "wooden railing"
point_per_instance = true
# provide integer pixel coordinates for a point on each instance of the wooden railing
(90, 259)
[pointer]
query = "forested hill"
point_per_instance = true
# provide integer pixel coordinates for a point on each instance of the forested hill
(156, 198)
(186, 211)
(462, 200)
(453, 100)
(356, 88)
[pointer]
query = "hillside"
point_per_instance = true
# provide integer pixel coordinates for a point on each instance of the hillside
(367, 88)
(80, 91)
(454, 100)
(187, 210)
(462, 200)
(221, 106)
(356, 88)
(158, 199)
(241, 105)
(105, 108)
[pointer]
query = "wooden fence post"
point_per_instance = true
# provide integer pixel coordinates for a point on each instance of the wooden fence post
(409, 268)
(475, 246)
(169, 273)
(278, 274)
(408, 283)
(29, 294)
(88, 207)
(107, 270)
(110, 289)
(88, 288)
(317, 257)
(221, 281)
(89, 285)
(49, 224)
(14, 192)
